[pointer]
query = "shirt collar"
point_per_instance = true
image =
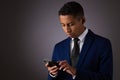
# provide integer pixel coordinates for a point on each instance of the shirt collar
(82, 36)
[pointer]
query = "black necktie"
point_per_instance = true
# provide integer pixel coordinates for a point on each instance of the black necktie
(75, 52)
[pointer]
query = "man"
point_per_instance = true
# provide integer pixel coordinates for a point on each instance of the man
(83, 55)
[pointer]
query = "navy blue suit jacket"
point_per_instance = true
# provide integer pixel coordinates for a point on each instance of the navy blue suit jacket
(95, 59)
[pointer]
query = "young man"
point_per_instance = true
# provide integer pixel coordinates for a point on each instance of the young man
(83, 55)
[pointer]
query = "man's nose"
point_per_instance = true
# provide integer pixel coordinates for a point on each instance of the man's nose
(67, 28)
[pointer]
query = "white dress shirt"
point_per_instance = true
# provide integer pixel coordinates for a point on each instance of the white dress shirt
(81, 40)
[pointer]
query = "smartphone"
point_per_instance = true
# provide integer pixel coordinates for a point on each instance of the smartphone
(51, 63)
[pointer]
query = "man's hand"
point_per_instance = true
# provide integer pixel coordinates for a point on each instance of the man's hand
(66, 67)
(52, 70)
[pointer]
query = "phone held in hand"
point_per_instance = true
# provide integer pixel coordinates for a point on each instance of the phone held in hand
(51, 63)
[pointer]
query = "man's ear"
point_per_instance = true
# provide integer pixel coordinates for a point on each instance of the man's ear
(83, 20)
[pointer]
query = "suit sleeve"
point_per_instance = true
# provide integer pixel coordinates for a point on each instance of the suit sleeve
(105, 71)
(54, 58)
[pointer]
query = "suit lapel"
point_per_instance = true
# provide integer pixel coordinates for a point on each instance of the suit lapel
(87, 43)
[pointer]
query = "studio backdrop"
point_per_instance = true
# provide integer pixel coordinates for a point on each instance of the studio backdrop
(30, 29)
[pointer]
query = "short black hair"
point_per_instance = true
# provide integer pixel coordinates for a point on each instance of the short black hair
(71, 8)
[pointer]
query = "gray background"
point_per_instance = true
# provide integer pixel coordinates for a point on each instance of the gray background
(26, 25)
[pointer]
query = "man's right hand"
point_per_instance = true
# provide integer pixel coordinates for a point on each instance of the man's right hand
(52, 70)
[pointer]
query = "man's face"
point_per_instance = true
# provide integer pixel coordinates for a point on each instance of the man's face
(72, 26)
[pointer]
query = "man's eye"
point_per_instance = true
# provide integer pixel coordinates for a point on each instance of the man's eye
(63, 25)
(71, 24)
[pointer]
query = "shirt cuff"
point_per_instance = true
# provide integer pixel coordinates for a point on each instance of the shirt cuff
(52, 75)
(74, 77)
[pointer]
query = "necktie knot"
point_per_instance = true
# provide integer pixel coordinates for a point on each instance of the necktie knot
(76, 39)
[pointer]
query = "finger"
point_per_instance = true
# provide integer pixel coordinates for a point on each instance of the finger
(54, 71)
(63, 66)
(52, 68)
(62, 62)
(46, 65)
(66, 68)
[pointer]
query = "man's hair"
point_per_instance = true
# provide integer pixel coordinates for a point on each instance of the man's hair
(72, 8)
